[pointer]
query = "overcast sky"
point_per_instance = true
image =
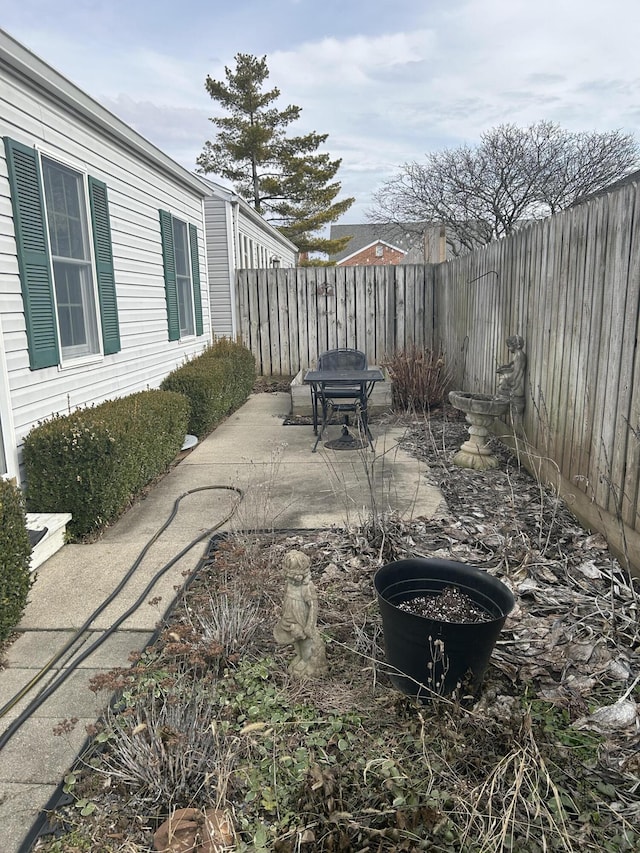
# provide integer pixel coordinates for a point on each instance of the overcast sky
(388, 80)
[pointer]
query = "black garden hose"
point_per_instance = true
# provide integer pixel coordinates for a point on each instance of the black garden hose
(6, 736)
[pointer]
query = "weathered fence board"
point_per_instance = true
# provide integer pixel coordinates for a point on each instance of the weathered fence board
(287, 317)
(577, 330)
(571, 286)
(631, 363)
(590, 331)
(607, 374)
(626, 313)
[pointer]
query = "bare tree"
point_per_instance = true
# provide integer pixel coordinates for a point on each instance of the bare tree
(513, 175)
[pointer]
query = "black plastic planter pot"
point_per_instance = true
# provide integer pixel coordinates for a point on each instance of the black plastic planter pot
(430, 655)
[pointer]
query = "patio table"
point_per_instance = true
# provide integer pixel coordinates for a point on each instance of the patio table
(341, 382)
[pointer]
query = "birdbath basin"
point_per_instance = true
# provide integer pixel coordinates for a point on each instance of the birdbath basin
(480, 411)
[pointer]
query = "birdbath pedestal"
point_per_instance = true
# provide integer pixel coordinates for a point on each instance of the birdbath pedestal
(480, 411)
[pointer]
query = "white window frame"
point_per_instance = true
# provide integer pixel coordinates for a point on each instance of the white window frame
(245, 251)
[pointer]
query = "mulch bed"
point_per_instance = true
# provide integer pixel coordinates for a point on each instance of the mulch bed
(547, 757)
(272, 384)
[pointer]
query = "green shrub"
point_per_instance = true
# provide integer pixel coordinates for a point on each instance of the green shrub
(216, 383)
(419, 378)
(239, 374)
(226, 348)
(93, 462)
(197, 381)
(15, 552)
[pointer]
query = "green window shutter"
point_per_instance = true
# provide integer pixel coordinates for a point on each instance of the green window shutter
(195, 278)
(171, 290)
(104, 265)
(33, 254)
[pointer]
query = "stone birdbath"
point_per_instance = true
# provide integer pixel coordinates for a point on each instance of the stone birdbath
(480, 410)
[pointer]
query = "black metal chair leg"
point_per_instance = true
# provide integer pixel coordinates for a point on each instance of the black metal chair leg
(370, 437)
(364, 419)
(314, 409)
(322, 425)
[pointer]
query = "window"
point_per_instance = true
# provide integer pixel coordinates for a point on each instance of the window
(68, 290)
(71, 260)
(379, 250)
(181, 277)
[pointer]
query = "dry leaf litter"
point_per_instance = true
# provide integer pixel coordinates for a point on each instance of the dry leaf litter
(573, 640)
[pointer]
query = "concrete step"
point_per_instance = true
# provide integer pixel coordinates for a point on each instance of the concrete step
(55, 526)
(379, 401)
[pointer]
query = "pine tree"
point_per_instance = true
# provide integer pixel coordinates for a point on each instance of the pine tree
(282, 177)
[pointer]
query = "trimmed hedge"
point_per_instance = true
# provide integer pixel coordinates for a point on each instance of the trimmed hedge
(94, 461)
(15, 553)
(217, 382)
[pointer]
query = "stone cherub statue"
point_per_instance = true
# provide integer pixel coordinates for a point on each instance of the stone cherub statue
(511, 383)
(298, 619)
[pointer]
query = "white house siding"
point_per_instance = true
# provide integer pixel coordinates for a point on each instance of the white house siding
(264, 245)
(8, 464)
(137, 189)
(237, 238)
(219, 235)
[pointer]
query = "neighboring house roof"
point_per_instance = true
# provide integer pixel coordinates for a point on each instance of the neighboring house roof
(406, 238)
(22, 63)
(369, 246)
(230, 196)
(631, 178)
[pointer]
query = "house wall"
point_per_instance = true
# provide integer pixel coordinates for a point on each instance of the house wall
(8, 465)
(237, 238)
(368, 257)
(220, 264)
(136, 191)
(261, 245)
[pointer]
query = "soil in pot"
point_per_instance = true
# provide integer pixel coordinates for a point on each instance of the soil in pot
(451, 605)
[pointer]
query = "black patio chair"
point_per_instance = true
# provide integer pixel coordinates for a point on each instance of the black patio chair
(340, 398)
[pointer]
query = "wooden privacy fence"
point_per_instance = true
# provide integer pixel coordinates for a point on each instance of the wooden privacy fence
(570, 285)
(288, 316)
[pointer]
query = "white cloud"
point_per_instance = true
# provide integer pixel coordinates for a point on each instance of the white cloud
(351, 61)
(523, 61)
(440, 75)
(179, 130)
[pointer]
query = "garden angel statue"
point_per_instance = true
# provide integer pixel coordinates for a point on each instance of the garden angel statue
(297, 625)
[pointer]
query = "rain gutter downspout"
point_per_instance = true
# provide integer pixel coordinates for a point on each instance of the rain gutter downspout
(234, 254)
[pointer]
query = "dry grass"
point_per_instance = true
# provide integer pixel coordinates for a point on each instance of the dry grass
(419, 378)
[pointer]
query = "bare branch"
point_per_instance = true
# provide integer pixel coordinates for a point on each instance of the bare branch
(513, 176)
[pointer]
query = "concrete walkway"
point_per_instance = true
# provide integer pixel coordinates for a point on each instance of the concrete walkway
(286, 487)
